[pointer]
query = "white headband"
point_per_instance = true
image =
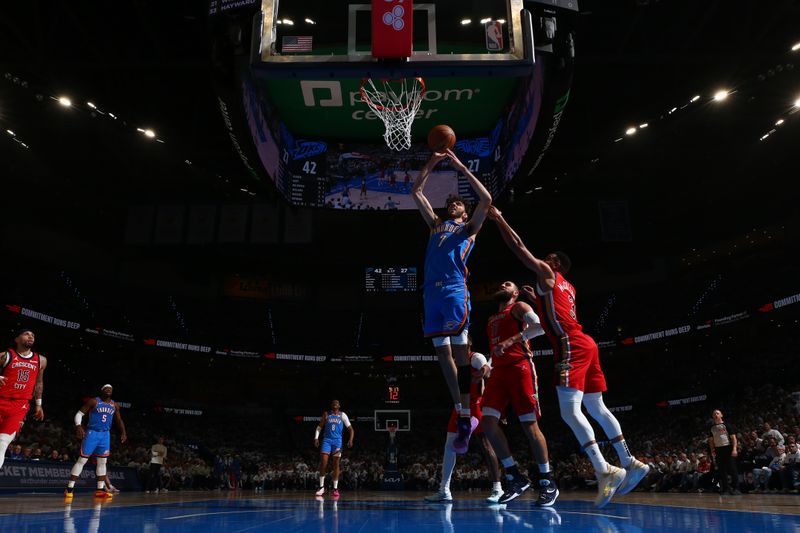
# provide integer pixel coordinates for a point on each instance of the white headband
(106, 385)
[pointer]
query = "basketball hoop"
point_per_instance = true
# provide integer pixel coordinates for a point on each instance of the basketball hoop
(396, 103)
(392, 429)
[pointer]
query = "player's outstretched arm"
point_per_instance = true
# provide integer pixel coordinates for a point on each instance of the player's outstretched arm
(352, 435)
(38, 389)
(123, 435)
(544, 273)
(422, 202)
(484, 197)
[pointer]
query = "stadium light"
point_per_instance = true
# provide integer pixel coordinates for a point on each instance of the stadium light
(288, 21)
(797, 103)
(796, 47)
(485, 20)
(779, 122)
(10, 133)
(721, 95)
(695, 98)
(630, 131)
(501, 21)
(464, 22)
(309, 21)
(64, 101)
(643, 125)
(149, 133)
(90, 104)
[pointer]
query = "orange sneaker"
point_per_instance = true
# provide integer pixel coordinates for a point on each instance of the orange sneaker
(68, 495)
(100, 493)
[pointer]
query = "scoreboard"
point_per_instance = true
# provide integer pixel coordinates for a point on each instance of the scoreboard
(390, 279)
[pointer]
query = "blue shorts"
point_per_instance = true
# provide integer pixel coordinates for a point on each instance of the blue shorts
(328, 446)
(446, 310)
(97, 443)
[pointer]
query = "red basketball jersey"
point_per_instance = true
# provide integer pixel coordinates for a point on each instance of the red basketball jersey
(501, 326)
(556, 308)
(20, 374)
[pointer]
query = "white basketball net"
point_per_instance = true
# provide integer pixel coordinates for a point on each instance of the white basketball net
(396, 103)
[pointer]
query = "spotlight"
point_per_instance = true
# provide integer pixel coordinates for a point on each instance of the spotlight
(485, 20)
(464, 22)
(642, 126)
(91, 105)
(63, 100)
(695, 98)
(797, 103)
(796, 47)
(720, 95)
(309, 21)
(501, 21)
(779, 122)
(630, 131)
(11, 133)
(149, 133)
(289, 22)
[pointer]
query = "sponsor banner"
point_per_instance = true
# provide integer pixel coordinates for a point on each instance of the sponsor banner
(296, 357)
(159, 343)
(682, 401)
(37, 475)
(239, 353)
(409, 358)
(539, 353)
(119, 335)
(36, 315)
(783, 302)
(606, 344)
(621, 408)
(261, 288)
(178, 411)
(353, 359)
(659, 335)
(731, 318)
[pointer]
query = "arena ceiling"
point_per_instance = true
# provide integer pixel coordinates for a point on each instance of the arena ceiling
(699, 173)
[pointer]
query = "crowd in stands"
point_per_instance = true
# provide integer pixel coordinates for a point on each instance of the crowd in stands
(673, 442)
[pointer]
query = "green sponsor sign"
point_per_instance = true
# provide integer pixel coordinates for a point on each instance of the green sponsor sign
(332, 108)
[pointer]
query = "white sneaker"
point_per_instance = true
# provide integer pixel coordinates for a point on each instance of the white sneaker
(494, 497)
(634, 474)
(441, 496)
(607, 485)
(320, 491)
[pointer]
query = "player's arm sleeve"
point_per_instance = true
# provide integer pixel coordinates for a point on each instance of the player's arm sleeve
(345, 420)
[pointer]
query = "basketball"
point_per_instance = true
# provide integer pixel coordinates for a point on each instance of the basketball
(441, 137)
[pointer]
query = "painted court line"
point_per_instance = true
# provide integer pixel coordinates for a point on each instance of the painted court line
(225, 512)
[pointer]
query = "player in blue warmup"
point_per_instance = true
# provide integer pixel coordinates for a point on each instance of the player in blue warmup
(331, 426)
(447, 304)
(96, 441)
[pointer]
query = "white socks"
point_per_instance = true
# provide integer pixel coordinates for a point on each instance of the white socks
(448, 462)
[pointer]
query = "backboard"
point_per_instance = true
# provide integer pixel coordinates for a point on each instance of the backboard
(400, 418)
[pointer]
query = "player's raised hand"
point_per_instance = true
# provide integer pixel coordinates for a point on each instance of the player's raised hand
(529, 292)
(454, 158)
(494, 213)
(436, 157)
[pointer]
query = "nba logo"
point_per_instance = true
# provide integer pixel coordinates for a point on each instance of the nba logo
(494, 36)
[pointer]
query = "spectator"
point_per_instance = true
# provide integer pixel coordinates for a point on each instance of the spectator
(790, 472)
(158, 454)
(770, 432)
(16, 453)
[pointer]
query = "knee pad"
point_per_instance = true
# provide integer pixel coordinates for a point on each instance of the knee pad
(438, 342)
(78, 467)
(464, 379)
(101, 466)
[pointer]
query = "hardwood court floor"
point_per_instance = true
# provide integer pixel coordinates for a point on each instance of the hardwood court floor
(363, 512)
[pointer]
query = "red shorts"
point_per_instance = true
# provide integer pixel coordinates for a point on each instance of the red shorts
(578, 366)
(12, 413)
(474, 410)
(515, 384)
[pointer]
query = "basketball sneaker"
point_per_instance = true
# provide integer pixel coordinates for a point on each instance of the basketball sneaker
(441, 496)
(548, 494)
(607, 485)
(516, 487)
(103, 494)
(634, 473)
(465, 428)
(494, 497)
(68, 495)
(335, 493)
(320, 491)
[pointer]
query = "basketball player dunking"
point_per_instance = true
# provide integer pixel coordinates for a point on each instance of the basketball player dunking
(96, 440)
(447, 304)
(480, 369)
(331, 426)
(21, 377)
(579, 376)
(514, 381)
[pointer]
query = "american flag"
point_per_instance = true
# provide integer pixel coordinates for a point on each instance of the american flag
(301, 43)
